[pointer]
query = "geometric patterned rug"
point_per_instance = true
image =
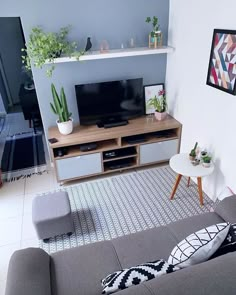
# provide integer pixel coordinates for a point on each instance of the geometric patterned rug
(119, 205)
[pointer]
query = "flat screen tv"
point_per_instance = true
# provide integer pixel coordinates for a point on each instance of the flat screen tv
(110, 101)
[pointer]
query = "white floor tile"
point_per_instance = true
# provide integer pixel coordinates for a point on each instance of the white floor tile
(10, 230)
(2, 287)
(28, 231)
(30, 243)
(14, 188)
(39, 183)
(5, 255)
(11, 206)
(28, 199)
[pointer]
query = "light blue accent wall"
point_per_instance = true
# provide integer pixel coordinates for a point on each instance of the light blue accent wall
(115, 21)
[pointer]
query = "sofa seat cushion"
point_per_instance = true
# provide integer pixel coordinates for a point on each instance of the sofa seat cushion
(147, 245)
(182, 228)
(80, 270)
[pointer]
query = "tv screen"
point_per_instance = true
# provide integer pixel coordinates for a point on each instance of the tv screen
(105, 101)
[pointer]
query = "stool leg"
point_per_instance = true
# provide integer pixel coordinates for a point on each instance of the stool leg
(199, 182)
(188, 181)
(179, 176)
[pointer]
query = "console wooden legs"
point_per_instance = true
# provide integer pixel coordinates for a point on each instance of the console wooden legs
(179, 176)
(199, 183)
(189, 178)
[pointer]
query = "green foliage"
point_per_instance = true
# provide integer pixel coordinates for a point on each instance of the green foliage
(159, 103)
(155, 25)
(59, 105)
(207, 159)
(193, 151)
(45, 47)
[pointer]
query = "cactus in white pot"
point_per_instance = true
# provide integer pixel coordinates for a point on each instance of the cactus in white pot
(60, 108)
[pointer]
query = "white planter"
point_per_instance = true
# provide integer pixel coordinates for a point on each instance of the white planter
(65, 128)
(206, 165)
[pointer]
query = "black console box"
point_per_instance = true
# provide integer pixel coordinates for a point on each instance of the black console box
(119, 153)
(88, 147)
(135, 139)
(118, 164)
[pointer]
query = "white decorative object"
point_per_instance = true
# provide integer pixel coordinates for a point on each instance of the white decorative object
(199, 246)
(65, 128)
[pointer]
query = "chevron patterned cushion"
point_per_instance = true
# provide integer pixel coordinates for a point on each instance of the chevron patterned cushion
(199, 246)
(125, 278)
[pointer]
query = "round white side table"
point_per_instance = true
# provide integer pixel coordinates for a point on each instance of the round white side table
(181, 164)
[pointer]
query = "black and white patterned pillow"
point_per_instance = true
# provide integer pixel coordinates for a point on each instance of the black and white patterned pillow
(199, 246)
(125, 278)
(229, 244)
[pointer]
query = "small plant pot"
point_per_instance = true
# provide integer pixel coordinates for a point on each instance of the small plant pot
(192, 158)
(160, 116)
(203, 154)
(206, 165)
(65, 128)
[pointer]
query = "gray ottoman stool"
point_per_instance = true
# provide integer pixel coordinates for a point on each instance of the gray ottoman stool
(51, 215)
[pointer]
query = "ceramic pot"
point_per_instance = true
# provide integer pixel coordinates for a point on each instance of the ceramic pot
(65, 128)
(206, 165)
(160, 116)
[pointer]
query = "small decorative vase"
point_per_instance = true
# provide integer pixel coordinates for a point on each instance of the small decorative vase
(160, 116)
(65, 128)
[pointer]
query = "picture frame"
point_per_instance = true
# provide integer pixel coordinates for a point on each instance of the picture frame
(149, 92)
(222, 64)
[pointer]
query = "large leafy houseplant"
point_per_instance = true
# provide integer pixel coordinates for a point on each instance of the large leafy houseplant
(44, 47)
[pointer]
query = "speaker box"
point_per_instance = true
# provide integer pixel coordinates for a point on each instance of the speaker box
(88, 147)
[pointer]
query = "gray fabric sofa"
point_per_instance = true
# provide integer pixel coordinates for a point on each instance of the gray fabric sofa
(78, 271)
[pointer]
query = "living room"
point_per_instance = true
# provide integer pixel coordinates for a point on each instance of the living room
(206, 113)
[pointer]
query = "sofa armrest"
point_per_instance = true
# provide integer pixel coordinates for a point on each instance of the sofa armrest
(226, 209)
(29, 273)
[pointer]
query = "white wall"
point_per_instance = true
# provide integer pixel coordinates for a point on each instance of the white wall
(207, 114)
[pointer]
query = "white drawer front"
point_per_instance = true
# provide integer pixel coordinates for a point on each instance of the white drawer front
(158, 151)
(79, 166)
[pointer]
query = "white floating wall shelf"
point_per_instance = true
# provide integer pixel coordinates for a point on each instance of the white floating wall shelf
(114, 53)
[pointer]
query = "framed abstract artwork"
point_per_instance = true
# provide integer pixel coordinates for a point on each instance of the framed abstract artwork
(222, 64)
(151, 91)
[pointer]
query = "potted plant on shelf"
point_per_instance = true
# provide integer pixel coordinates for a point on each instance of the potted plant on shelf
(44, 47)
(155, 37)
(193, 154)
(60, 108)
(160, 105)
(206, 161)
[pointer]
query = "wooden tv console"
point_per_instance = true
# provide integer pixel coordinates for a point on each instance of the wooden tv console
(157, 142)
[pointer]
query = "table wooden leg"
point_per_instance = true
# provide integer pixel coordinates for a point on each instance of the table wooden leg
(189, 178)
(175, 186)
(199, 182)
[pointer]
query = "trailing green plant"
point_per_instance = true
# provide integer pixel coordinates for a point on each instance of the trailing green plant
(155, 25)
(207, 159)
(159, 103)
(193, 151)
(59, 106)
(44, 47)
